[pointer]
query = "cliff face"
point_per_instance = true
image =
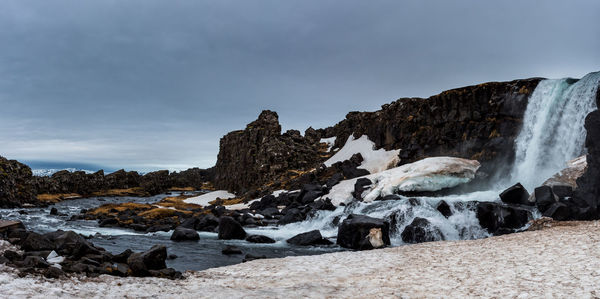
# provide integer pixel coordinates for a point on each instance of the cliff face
(476, 122)
(15, 184)
(260, 153)
(587, 194)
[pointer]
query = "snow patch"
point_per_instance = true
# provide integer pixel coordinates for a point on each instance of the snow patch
(329, 141)
(204, 199)
(374, 160)
(430, 174)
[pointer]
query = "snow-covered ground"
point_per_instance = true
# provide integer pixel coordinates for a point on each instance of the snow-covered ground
(561, 261)
(373, 160)
(430, 174)
(204, 199)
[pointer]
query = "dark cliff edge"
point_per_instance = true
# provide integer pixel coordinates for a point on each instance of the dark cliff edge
(477, 122)
(587, 194)
(16, 187)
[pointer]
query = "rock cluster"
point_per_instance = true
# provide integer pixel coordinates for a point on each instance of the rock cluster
(56, 253)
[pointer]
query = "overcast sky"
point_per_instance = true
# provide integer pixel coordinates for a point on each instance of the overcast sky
(155, 84)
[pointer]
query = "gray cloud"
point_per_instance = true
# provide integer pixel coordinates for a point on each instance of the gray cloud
(147, 84)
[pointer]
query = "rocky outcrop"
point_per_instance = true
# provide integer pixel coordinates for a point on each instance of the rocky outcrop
(16, 186)
(477, 122)
(587, 195)
(90, 184)
(260, 153)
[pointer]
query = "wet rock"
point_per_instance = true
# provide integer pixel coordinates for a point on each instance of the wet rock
(559, 211)
(544, 198)
(159, 228)
(230, 229)
(230, 250)
(444, 208)
(562, 191)
(499, 219)
(309, 238)
(516, 194)
(355, 229)
(291, 215)
(123, 256)
(269, 213)
(54, 211)
(421, 230)
(153, 259)
(172, 256)
(251, 257)
(259, 239)
(108, 222)
(323, 204)
(184, 234)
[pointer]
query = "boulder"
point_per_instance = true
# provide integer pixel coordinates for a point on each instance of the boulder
(53, 272)
(308, 239)
(516, 194)
(251, 257)
(499, 219)
(54, 211)
(69, 243)
(355, 229)
(544, 198)
(444, 208)
(36, 242)
(230, 229)
(230, 250)
(152, 259)
(291, 215)
(559, 211)
(421, 230)
(259, 239)
(360, 186)
(184, 234)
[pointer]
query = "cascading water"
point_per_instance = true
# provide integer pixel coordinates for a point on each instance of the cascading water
(553, 131)
(552, 134)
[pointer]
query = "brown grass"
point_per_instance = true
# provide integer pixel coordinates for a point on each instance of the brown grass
(159, 213)
(54, 198)
(137, 191)
(106, 209)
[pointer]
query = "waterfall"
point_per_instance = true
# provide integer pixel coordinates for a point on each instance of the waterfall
(553, 128)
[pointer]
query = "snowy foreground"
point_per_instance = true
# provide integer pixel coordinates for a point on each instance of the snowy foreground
(562, 261)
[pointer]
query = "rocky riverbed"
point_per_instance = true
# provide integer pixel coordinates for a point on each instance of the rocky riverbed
(560, 261)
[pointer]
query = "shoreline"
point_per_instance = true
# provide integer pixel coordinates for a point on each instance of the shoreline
(559, 261)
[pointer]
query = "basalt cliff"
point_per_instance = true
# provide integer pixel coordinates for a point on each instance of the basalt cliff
(477, 122)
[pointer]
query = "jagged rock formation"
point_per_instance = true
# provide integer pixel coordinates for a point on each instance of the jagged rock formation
(15, 184)
(477, 122)
(587, 195)
(260, 153)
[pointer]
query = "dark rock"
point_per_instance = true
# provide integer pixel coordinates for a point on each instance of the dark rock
(517, 194)
(13, 255)
(121, 269)
(207, 223)
(230, 229)
(123, 256)
(334, 180)
(36, 242)
(259, 239)
(166, 273)
(354, 230)
(108, 222)
(184, 234)
(308, 239)
(291, 215)
(159, 228)
(559, 211)
(562, 191)
(323, 204)
(544, 198)
(499, 219)
(172, 256)
(421, 230)
(70, 243)
(360, 186)
(251, 257)
(53, 272)
(230, 250)
(444, 208)
(35, 262)
(54, 211)
(269, 213)
(153, 259)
